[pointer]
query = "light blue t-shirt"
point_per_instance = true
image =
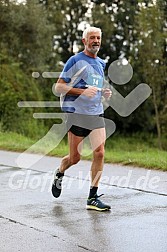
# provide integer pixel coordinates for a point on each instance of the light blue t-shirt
(82, 71)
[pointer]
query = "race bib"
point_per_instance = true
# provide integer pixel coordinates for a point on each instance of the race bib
(94, 80)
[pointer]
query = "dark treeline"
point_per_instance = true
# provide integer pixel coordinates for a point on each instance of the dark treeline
(38, 36)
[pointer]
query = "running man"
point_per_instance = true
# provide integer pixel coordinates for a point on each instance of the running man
(81, 88)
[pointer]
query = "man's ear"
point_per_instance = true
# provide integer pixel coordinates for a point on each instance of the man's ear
(83, 41)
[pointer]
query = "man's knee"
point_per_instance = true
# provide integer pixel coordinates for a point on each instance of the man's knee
(99, 153)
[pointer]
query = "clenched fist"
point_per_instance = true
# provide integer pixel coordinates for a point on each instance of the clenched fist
(90, 92)
(106, 92)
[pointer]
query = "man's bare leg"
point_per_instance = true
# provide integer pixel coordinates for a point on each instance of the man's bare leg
(97, 139)
(74, 156)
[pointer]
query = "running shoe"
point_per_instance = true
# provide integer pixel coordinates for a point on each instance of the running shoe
(57, 183)
(96, 204)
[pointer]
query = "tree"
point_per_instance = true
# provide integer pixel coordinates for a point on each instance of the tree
(26, 34)
(151, 35)
(15, 86)
(116, 18)
(67, 17)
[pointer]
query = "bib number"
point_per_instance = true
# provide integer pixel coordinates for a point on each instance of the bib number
(94, 80)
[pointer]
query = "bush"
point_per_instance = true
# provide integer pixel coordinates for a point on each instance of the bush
(15, 86)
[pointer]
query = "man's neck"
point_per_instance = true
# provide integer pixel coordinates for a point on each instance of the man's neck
(86, 52)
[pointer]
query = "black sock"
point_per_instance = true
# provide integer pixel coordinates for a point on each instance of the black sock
(59, 174)
(93, 192)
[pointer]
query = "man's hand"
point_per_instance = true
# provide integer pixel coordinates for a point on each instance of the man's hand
(107, 93)
(90, 92)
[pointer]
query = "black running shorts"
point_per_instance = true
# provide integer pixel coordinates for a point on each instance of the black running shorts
(82, 125)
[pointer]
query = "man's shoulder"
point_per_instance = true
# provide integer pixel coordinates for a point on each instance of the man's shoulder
(74, 58)
(78, 56)
(85, 60)
(101, 61)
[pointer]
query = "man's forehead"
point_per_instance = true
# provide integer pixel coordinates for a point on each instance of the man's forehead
(96, 33)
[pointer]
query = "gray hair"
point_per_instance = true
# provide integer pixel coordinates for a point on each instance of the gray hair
(90, 29)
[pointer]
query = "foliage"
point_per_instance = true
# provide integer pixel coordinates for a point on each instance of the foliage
(152, 36)
(15, 86)
(41, 35)
(26, 34)
(67, 16)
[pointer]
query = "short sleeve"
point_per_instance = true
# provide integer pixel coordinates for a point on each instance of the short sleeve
(68, 70)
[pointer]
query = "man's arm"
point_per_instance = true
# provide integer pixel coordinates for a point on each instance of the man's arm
(62, 88)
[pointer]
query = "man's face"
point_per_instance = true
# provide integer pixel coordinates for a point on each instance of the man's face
(92, 42)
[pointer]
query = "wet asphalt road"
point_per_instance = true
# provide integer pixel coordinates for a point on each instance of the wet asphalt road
(32, 220)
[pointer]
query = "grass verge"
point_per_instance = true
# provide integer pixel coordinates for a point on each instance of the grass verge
(134, 150)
